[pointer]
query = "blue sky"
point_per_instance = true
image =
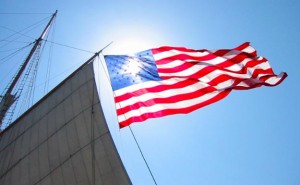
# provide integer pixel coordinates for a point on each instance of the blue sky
(250, 137)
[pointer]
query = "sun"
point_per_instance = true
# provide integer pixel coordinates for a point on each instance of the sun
(131, 45)
(132, 38)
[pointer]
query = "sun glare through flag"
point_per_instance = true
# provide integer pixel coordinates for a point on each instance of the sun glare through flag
(175, 80)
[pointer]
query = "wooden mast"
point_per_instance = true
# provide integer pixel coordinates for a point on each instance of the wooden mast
(8, 99)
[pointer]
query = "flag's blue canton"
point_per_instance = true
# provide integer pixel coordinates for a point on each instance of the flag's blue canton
(128, 70)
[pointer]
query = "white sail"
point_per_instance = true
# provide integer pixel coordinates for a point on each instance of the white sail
(52, 142)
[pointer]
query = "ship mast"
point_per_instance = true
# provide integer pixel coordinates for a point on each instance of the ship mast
(8, 99)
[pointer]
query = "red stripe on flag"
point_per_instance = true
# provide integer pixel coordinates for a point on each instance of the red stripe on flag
(155, 89)
(170, 99)
(167, 112)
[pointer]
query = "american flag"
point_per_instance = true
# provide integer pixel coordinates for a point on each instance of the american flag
(176, 80)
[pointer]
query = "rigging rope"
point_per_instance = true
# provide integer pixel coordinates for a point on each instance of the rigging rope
(20, 33)
(15, 33)
(6, 58)
(49, 61)
(72, 47)
(24, 13)
(14, 49)
(142, 154)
